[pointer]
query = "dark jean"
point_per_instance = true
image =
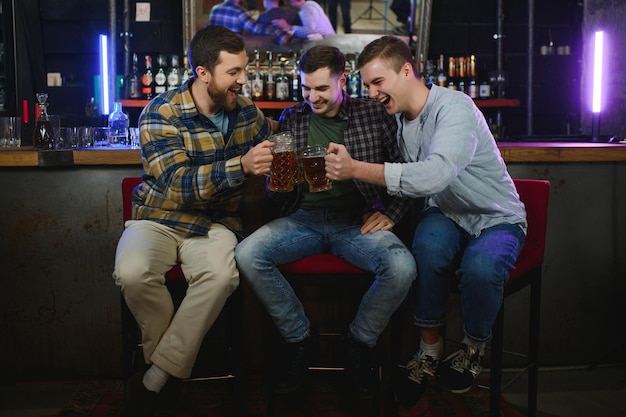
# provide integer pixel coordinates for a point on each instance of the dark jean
(345, 6)
(445, 254)
(310, 232)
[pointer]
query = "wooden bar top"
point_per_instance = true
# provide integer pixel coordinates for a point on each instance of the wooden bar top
(528, 152)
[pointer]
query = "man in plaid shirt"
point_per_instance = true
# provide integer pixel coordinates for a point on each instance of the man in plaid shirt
(353, 220)
(199, 142)
(230, 14)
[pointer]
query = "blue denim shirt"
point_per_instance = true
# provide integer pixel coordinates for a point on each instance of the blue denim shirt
(456, 165)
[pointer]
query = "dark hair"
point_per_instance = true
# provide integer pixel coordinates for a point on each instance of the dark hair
(205, 46)
(390, 49)
(322, 56)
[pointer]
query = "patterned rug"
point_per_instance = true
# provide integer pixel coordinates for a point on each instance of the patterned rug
(317, 398)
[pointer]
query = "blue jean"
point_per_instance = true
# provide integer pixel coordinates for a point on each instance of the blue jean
(310, 232)
(444, 251)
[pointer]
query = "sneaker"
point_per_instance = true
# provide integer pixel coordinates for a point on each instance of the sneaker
(412, 380)
(459, 370)
(361, 375)
(401, 30)
(298, 358)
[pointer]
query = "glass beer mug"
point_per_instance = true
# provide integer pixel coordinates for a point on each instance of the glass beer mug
(284, 172)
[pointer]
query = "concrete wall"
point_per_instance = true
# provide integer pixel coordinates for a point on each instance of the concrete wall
(60, 308)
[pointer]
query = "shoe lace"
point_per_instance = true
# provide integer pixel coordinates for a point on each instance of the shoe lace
(466, 359)
(421, 365)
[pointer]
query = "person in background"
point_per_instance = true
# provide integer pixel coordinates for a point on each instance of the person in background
(315, 23)
(471, 224)
(345, 6)
(402, 9)
(274, 11)
(199, 143)
(353, 220)
(233, 16)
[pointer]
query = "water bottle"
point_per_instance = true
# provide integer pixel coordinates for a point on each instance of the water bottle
(118, 126)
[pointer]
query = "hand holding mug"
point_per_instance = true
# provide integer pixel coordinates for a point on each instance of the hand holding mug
(257, 160)
(339, 163)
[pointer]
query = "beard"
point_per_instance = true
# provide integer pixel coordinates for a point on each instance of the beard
(221, 97)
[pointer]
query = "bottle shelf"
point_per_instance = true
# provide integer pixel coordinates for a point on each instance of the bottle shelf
(497, 102)
(277, 105)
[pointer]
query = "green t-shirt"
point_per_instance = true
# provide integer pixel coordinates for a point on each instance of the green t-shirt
(344, 195)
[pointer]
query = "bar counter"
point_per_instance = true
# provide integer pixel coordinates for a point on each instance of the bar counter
(511, 152)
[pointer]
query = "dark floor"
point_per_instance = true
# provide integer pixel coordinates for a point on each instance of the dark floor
(563, 392)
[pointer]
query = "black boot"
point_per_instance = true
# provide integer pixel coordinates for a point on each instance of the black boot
(140, 402)
(361, 374)
(297, 360)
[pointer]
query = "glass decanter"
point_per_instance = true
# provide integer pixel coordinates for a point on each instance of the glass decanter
(43, 137)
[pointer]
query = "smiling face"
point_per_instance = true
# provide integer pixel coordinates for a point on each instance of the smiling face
(224, 85)
(385, 85)
(322, 90)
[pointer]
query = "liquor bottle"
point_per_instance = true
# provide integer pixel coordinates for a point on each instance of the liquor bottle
(246, 89)
(91, 108)
(422, 68)
(187, 73)
(484, 90)
(461, 82)
(270, 81)
(133, 84)
(282, 84)
(26, 125)
(43, 137)
(354, 81)
(160, 79)
(296, 91)
(173, 75)
(442, 78)
(257, 78)
(452, 73)
(147, 80)
(118, 125)
(472, 89)
(430, 73)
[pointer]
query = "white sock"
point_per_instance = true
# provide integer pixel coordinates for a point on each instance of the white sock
(477, 345)
(434, 350)
(155, 378)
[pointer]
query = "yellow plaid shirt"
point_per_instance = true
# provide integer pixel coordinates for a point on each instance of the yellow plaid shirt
(192, 172)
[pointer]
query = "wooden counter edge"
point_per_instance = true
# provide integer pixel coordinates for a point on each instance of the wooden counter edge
(512, 152)
(562, 152)
(107, 157)
(19, 157)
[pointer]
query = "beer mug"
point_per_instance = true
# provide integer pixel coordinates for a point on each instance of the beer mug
(314, 168)
(284, 169)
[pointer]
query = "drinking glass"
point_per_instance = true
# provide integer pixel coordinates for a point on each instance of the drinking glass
(84, 137)
(100, 136)
(285, 163)
(314, 168)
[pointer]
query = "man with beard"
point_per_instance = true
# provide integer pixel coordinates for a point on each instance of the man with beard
(199, 143)
(353, 220)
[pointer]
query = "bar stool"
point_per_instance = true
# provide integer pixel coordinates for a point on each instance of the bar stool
(535, 195)
(231, 318)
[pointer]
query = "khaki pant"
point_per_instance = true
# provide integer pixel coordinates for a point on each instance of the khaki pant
(146, 251)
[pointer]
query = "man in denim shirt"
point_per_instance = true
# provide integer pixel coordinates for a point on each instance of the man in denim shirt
(472, 226)
(353, 220)
(199, 142)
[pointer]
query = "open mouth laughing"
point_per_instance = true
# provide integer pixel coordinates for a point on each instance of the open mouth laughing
(384, 100)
